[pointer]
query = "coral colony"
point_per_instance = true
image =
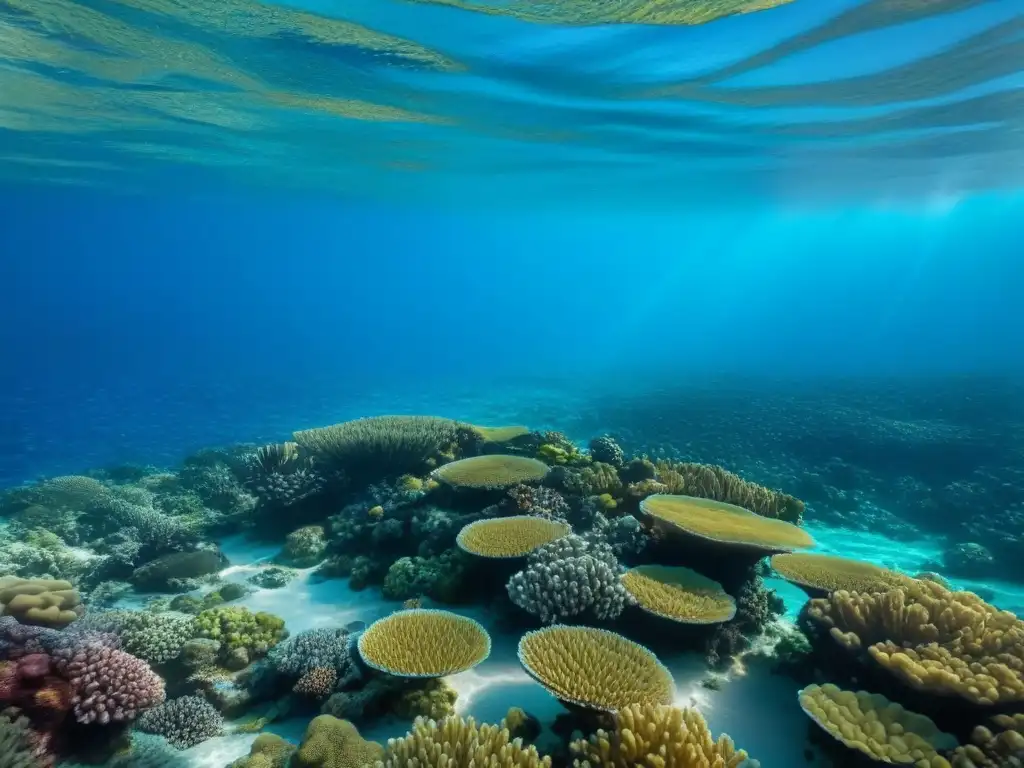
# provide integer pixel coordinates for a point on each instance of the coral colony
(595, 561)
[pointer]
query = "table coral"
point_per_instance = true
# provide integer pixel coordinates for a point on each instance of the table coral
(424, 643)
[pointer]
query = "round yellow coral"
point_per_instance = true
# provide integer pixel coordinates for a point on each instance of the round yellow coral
(827, 573)
(679, 594)
(724, 523)
(333, 743)
(421, 642)
(508, 537)
(496, 471)
(881, 729)
(594, 668)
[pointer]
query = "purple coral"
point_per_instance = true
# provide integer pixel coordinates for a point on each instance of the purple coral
(109, 685)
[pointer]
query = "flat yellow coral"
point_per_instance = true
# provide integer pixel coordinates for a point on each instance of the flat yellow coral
(724, 523)
(509, 537)
(420, 642)
(679, 594)
(881, 729)
(500, 434)
(594, 668)
(647, 736)
(492, 471)
(828, 573)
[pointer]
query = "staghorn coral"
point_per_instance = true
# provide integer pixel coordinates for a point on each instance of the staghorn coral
(875, 726)
(570, 576)
(109, 685)
(932, 639)
(827, 573)
(712, 482)
(385, 444)
(17, 744)
(491, 471)
(333, 743)
(509, 537)
(184, 722)
(658, 736)
(457, 742)
(564, 660)
(679, 594)
(1002, 749)
(42, 602)
(424, 643)
(724, 523)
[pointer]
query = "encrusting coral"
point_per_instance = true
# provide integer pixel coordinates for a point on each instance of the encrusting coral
(424, 643)
(564, 660)
(679, 594)
(333, 743)
(932, 639)
(491, 471)
(456, 742)
(819, 574)
(658, 736)
(509, 537)
(877, 727)
(42, 602)
(724, 523)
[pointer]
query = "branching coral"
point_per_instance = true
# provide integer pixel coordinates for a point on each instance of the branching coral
(456, 742)
(828, 573)
(569, 577)
(649, 736)
(184, 722)
(491, 471)
(424, 643)
(679, 594)
(932, 639)
(595, 668)
(509, 537)
(155, 637)
(724, 523)
(712, 482)
(109, 685)
(881, 729)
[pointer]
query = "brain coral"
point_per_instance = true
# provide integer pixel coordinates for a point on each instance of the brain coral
(386, 443)
(827, 573)
(42, 602)
(647, 736)
(424, 643)
(932, 639)
(493, 471)
(509, 537)
(679, 594)
(594, 668)
(724, 523)
(333, 743)
(881, 729)
(459, 743)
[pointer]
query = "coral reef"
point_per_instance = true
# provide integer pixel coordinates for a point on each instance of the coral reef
(509, 537)
(184, 722)
(424, 643)
(301, 655)
(268, 751)
(605, 450)
(17, 744)
(562, 659)
(821, 574)
(491, 471)
(304, 548)
(333, 743)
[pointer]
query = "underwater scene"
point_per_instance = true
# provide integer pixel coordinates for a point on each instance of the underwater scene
(511, 384)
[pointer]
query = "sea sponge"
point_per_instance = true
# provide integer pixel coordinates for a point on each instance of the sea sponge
(509, 537)
(594, 668)
(1002, 749)
(932, 639)
(709, 481)
(819, 574)
(457, 742)
(382, 443)
(499, 434)
(881, 729)
(333, 743)
(724, 523)
(647, 736)
(40, 602)
(679, 594)
(424, 643)
(491, 471)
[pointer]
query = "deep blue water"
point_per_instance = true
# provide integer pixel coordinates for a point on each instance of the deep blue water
(140, 328)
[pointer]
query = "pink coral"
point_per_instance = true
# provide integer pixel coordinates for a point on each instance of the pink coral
(109, 685)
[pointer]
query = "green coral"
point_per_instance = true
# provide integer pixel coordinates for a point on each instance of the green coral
(439, 577)
(242, 634)
(268, 751)
(155, 637)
